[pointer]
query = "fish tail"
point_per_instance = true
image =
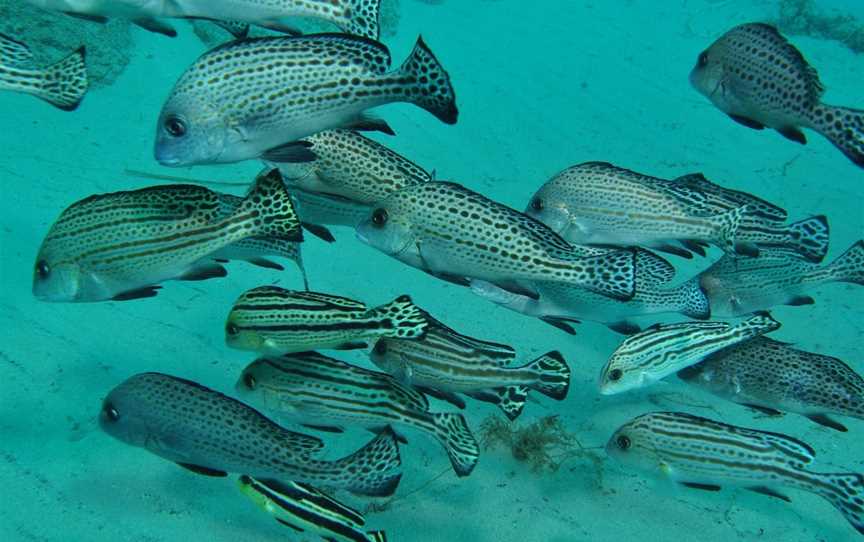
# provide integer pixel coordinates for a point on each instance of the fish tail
(430, 87)
(404, 319)
(844, 127)
(362, 18)
(553, 378)
(692, 300)
(849, 266)
(809, 237)
(64, 84)
(845, 491)
(373, 469)
(271, 210)
(454, 434)
(728, 225)
(511, 400)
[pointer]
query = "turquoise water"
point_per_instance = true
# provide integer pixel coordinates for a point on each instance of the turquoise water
(540, 86)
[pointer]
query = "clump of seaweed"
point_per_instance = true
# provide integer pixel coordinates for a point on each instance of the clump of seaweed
(543, 445)
(803, 17)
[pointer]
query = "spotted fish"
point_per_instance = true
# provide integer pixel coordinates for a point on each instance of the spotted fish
(319, 391)
(754, 75)
(737, 286)
(705, 454)
(663, 349)
(456, 234)
(305, 509)
(257, 97)
(272, 320)
(773, 377)
(213, 434)
(121, 245)
(63, 84)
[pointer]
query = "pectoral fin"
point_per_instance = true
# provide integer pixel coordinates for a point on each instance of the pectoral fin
(800, 300)
(204, 272)
(559, 323)
(750, 123)
(87, 17)
(265, 263)
(823, 419)
(770, 492)
(704, 487)
(319, 231)
(793, 134)
(764, 410)
(624, 327)
(138, 293)
(292, 152)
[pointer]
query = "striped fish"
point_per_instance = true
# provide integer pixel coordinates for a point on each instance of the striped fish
(257, 97)
(272, 320)
(448, 362)
(121, 245)
(456, 234)
(663, 349)
(772, 377)
(323, 392)
(305, 509)
(213, 434)
(705, 454)
(737, 286)
(63, 84)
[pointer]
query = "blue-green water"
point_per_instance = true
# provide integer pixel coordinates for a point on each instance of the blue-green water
(540, 86)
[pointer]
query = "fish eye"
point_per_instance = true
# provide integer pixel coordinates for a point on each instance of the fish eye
(379, 217)
(110, 412)
(623, 442)
(43, 269)
(232, 329)
(703, 59)
(175, 126)
(249, 381)
(537, 204)
(380, 348)
(615, 375)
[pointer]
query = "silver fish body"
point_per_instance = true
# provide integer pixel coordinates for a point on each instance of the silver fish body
(456, 234)
(313, 389)
(319, 208)
(121, 245)
(661, 350)
(63, 84)
(774, 377)
(753, 74)
(251, 96)
(738, 286)
(211, 433)
(706, 454)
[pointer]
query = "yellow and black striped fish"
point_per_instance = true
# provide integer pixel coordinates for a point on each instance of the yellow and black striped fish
(121, 245)
(63, 84)
(305, 509)
(705, 454)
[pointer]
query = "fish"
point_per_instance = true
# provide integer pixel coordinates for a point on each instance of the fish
(663, 349)
(738, 286)
(210, 433)
(319, 391)
(306, 509)
(62, 84)
(273, 320)
(700, 453)
(759, 79)
(257, 97)
(358, 17)
(327, 209)
(448, 362)
(455, 234)
(562, 305)
(121, 245)
(774, 377)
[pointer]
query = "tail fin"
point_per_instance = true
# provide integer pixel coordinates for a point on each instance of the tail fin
(362, 18)
(849, 266)
(553, 379)
(453, 433)
(511, 400)
(809, 237)
(403, 319)
(844, 127)
(729, 223)
(371, 469)
(432, 89)
(64, 84)
(270, 204)
(693, 301)
(845, 491)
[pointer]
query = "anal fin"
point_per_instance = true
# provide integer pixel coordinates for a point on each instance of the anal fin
(283, 522)
(266, 264)
(138, 293)
(560, 323)
(204, 272)
(321, 232)
(624, 327)
(763, 409)
(793, 134)
(293, 152)
(206, 471)
(351, 346)
(703, 487)
(799, 300)
(823, 419)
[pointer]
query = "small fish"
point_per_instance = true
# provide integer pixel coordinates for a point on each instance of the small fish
(754, 75)
(456, 234)
(738, 286)
(272, 320)
(121, 245)
(213, 434)
(772, 377)
(663, 349)
(257, 97)
(562, 305)
(63, 84)
(305, 509)
(448, 362)
(319, 391)
(704, 454)
(359, 17)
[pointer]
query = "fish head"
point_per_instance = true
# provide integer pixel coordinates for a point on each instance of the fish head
(240, 337)
(247, 385)
(390, 226)
(549, 207)
(192, 131)
(634, 445)
(57, 280)
(618, 376)
(130, 415)
(707, 75)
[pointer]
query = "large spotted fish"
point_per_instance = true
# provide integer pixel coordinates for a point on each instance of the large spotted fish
(773, 377)
(257, 97)
(705, 454)
(213, 434)
(63, 84)
(754, 75)
(456, 234)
